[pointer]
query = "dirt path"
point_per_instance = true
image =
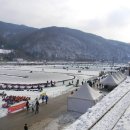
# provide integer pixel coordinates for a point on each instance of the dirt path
(53, 109)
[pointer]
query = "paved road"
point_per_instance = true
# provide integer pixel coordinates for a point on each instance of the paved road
(53, 109)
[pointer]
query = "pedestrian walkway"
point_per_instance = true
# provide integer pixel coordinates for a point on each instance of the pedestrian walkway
(47, 112)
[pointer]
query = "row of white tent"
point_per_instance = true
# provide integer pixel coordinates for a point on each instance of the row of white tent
(113, 79)
(84, 98)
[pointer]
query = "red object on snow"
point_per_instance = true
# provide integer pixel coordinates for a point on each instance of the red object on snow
(17, 107)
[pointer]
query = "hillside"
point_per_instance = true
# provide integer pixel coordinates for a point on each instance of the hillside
(57, 43)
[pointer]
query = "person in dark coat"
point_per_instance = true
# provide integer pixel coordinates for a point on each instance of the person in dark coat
(51, 83)
(37, 107)
(46, 98)
(25, 127)
(82, 82)
(27, 105)
(43, 97)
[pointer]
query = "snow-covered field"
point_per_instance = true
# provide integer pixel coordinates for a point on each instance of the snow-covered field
(25, 77)
(3, 112)
(16, 74)
(43, 73)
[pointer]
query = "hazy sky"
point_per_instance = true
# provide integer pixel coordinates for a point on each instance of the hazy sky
(107, 18)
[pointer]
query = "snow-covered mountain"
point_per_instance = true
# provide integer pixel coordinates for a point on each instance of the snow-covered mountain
(58, 43)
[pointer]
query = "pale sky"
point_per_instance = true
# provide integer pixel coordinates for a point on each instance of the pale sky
(107, 18)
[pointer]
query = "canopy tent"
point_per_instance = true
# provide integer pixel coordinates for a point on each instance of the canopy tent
(119, 75)
(113, 79)
(117, 78)
(83, 99)
(110, 81)
(122, 75)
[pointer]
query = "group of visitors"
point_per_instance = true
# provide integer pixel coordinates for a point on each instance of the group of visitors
(3, 94)
(51, 84)
(10, 100)
(44, 99)
(35, 104)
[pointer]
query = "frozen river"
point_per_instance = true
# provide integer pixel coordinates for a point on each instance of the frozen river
(20, 76)
(40, 74)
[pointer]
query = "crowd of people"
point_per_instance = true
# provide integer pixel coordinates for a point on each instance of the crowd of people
(10, 100)
(51, 84)
(34, 106)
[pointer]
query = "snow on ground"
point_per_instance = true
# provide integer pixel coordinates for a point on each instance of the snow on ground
(56, 91)
(3, 51)
(81, 72)
(39, 74)
(124, 122)
(16, 74)
(111, 118)
(97, 111)
(3, 112)
(50, 91)
(59, 123)
(25, 77)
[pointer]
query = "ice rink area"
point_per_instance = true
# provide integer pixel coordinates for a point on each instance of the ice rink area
(36, 74)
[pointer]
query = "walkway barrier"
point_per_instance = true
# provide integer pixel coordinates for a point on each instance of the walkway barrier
(17, 107)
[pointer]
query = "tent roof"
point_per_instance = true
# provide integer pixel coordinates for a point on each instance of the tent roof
(109, 80)
(86, 92)
(117, 78)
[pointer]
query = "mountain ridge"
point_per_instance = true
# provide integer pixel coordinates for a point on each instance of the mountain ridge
(60, 43)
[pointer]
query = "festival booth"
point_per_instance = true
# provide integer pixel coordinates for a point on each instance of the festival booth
(118, 79)
(84, 98)
(110, 82)
(123, 75)
(119, 75)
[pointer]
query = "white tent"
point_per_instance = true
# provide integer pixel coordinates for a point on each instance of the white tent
(83, 99)
(117, 78)
(123, 75)
(110, 81)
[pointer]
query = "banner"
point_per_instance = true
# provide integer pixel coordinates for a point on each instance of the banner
(16, 107)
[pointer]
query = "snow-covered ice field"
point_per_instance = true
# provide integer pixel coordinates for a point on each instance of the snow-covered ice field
(43, 73)
(40, 74)
(20, 76)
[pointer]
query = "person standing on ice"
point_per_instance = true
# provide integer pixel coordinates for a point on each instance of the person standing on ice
(46, 98)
